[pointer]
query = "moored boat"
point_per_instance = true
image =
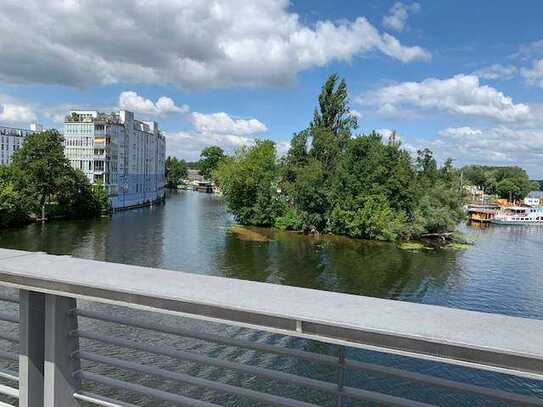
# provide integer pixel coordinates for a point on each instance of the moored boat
(518, 215)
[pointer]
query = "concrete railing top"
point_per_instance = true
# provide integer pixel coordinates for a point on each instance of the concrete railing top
(489, 341)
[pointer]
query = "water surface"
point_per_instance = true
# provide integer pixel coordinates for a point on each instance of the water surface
(501, 273)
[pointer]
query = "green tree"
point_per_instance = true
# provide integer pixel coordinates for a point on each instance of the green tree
(176, 170)
(100, 196)
(78, 198)
(248, 181)
(506, 182)
(14, 206)
(42, 166)
(334, 113)
(210, 159)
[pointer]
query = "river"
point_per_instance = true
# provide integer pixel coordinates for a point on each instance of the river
(502, 272)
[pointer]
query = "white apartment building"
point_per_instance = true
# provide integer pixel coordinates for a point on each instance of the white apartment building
(11, 139)
(126, 155)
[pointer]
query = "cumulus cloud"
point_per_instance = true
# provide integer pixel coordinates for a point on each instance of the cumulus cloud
(13, 112)
(215, 129)
(132, 101)
(188, 43)
(398, 15)
(502, 145)
(222, 123)
(189, 144)
(459, 95)
(534, 75)
(497, 71)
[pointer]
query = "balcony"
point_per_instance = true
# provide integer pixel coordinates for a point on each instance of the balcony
(69, 314)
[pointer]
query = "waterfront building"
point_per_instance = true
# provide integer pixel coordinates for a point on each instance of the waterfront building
(11, 139)
(125, 155)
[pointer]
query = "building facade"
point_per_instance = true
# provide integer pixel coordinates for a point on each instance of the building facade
(11, 139)
(125, 155)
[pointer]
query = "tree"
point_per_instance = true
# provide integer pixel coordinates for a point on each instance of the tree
(210, 158)
(176, 170)
(248, 181)
(333, 112)
(78, 198)
(42, 166)
(506, 182)
(14, 206)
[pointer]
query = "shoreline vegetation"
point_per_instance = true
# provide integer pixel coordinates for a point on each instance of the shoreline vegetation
(332, 181)
(40, 184)
(456, 240)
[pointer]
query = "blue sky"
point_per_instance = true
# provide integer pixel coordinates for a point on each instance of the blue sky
(463, 78)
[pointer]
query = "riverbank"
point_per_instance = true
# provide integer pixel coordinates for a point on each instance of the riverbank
(456, 240)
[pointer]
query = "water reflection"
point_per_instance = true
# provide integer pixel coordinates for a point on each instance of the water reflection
(336, 264)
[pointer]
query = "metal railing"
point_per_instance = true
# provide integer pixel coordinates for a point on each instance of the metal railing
(73, 351)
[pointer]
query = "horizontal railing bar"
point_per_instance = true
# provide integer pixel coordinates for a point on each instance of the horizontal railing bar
(192, 357)
(315, 357)
(9, 391)
(197, 381)
(146, 391)
(417, 377)
(445, 383)
(9, 375)
(99, 400)
(8, 356)
(8, 299)
(8, 318)
(253, 370)
(8, 338)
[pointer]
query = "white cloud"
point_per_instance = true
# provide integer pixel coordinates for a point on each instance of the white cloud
(534, 75)
(132, 101)
(459, 95)
(222, 123)
(387, 134)
(12, 112)
(189, 144)
(188, 43)
(529, 51)
(214, 129)
(399, 13)
(502, 145)
(497, 71)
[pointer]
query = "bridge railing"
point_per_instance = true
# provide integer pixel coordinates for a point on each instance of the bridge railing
(81, 341)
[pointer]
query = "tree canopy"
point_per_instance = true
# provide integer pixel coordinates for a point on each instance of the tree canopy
(210, 158)
(334, 182)
(506, 182)
(176, 170)
(40, 180)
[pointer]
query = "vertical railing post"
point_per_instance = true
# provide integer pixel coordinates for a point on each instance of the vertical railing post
(31, 348)
(340, 374)
(60, 384)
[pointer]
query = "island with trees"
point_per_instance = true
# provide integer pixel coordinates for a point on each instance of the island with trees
(335, 181)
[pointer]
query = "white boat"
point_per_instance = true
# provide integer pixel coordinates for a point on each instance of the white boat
(518, 215)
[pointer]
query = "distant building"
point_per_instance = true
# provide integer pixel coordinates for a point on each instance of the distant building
(534, 198)
(11, 139)
(194, 176)
(125, 155)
